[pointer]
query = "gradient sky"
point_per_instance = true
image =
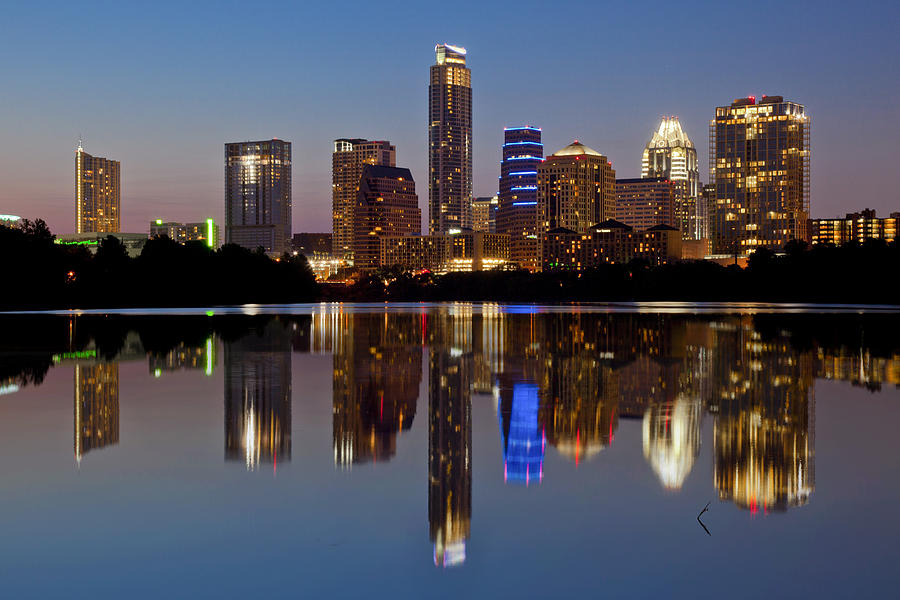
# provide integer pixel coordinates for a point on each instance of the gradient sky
(162, 86)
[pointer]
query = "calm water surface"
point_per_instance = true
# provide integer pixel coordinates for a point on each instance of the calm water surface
(450, 451)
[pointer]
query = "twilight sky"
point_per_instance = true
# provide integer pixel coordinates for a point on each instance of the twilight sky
(162, 86)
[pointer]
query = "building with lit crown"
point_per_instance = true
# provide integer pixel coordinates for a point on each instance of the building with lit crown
(854, 227)
(519, 215)
(449, 141)
(349, 158)
(387, 205)
(205, 231)
(258, 195)
(576, 188)
(759, 164)
(98, 193)
(670, 154)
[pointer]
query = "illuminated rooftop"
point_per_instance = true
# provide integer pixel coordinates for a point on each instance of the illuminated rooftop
(447, 53)
(576, 148)
(670, 135)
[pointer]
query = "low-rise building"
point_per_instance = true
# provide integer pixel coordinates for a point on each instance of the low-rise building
(133, 242)
(203, 231)
(484, 213)
(609, 242)
(854, 227)
(470, 251)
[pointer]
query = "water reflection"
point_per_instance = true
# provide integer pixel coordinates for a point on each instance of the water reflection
(561, 384)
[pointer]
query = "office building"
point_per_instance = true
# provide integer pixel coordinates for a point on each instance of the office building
(854, 227)
(610, 242)
(350, 156)
(98, 193)
(759, 164)
(387, 205)
(576, 188)
(449, 141)
(644, 203)
(670, 154)
(519, 215)
(484, 213)
(205, 231)
(312, 245)
(258, 195)
(446, 253)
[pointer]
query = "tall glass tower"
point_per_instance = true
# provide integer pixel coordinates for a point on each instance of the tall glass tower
(449, 141)
(671, 154)
(517, 215)
(98, 189)
(258, 195)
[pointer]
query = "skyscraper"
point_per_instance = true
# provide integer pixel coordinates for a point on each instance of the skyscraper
(258, 195)
(449, 141)
(387, 205)
(518, 214)
(645, 203)
(576, 189)
(347, 162)
(98, 189)
(759, 164)
(671, 155)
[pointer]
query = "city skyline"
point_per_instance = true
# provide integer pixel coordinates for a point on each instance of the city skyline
(614, 118)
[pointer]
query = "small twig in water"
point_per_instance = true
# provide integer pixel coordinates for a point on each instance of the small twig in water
(705, 508)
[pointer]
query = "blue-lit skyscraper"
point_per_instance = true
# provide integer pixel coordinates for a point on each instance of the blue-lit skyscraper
(518, 212)
(522, 437)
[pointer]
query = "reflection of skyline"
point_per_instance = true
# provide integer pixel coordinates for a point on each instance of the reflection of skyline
(449, 457)
(258, 396)
(521, 435)
(672, 439)
(184, 356)
(377, 372)
(96, 407)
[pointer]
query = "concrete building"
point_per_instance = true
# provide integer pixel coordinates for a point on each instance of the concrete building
(609, 242)
(98, 193)
(476, 251)
(258, 195)
(484, 213)
(759, 164)
(854, 227)
(349, 158)
(643, 203)
(387, 205)
(576, 188)
(449, 141)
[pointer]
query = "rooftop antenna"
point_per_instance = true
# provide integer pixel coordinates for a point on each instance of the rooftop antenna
(80, 145)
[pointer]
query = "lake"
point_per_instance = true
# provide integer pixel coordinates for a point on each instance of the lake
(451, 451)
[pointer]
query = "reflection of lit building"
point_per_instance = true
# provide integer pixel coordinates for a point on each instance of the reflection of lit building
(672, 439)
(449, 457)
(96, 407)
(185, 357)
(258, 396)
(522, 437)
(377, 371)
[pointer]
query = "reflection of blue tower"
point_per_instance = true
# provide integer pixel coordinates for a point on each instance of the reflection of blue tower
(523, 440)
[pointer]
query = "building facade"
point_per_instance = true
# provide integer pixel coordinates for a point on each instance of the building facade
(518, 215)
(759, 164)
(98, 193)
(476, 251)
(205, 231)
(670, 154)
(609, 242)
(484, 213)
(854, 227)
(449, 141)
(350, 156)
(576, 189)
(643, 203)
(387, 205)
(258, 195)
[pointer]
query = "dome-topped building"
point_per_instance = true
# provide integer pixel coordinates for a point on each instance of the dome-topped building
(576, 148)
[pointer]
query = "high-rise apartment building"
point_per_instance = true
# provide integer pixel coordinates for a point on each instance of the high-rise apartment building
(449, 141)
(350, 156)
(670, 154)
(759, 164)
(98, 189)
(576, 189)
(387, 205)
(518, 215)
(644, 203)
(258, 195)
